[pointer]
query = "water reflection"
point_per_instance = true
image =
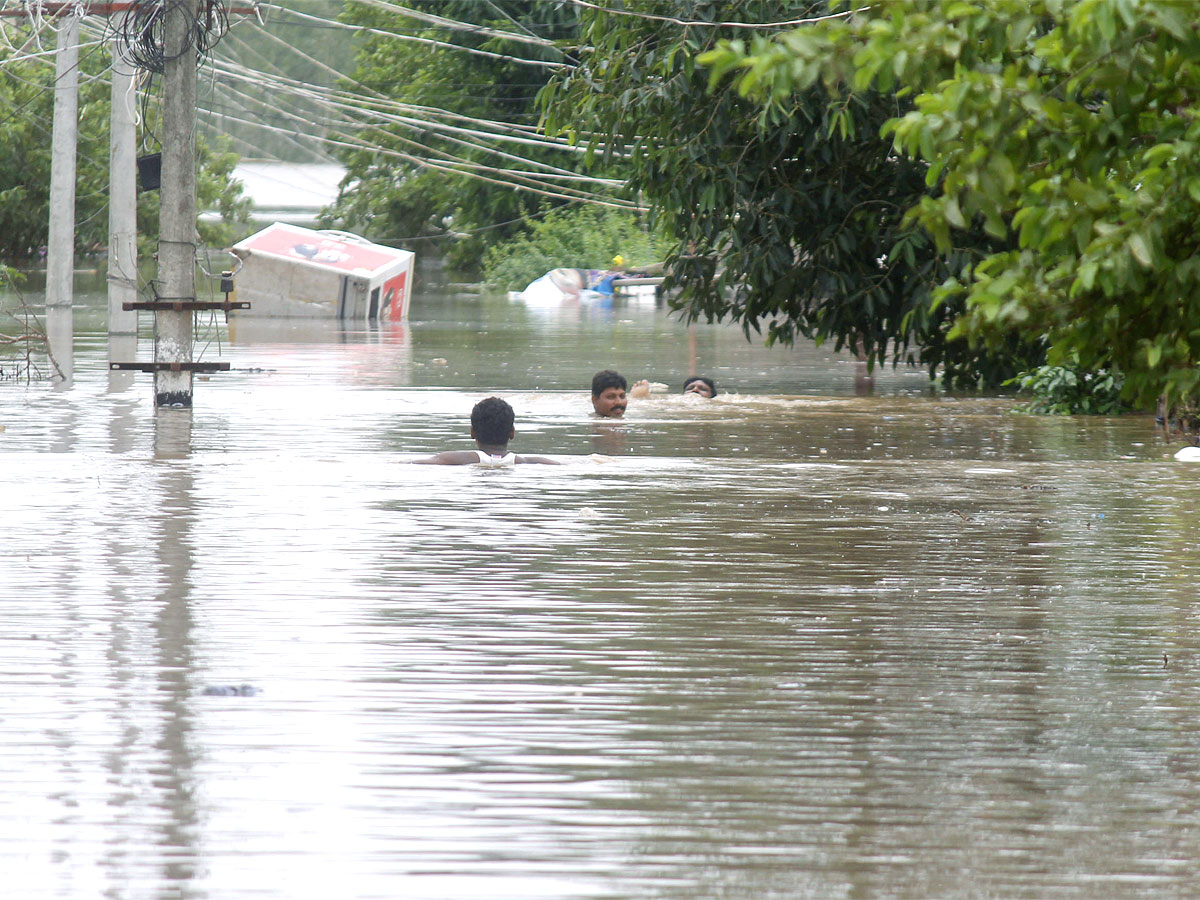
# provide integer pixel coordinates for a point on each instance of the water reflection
(174, 776)
(121, 348)
(610, 438)
(60, 339)
(792, 642)
(172, 433)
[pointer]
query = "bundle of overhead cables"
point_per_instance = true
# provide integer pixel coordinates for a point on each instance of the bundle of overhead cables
(143, 31)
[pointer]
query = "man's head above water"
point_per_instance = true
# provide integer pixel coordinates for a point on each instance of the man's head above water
(492, 428)
(608, 394)
(698, 384)
(492, 423)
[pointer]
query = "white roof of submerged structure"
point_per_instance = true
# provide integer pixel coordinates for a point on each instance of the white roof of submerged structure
(287, 192)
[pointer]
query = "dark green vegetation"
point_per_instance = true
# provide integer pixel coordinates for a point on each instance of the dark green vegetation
(1063, 390)
(788, 216)
(576, 237)
(26, 114)
(984, 189)
(1065, 130)
(410, 190)
(26, 122)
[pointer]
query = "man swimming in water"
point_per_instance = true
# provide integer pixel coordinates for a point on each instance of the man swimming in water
(697, 384)
(492, 428)
(608, 394)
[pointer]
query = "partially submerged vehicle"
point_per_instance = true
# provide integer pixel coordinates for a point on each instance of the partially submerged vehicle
(571, 286)
(292, 272)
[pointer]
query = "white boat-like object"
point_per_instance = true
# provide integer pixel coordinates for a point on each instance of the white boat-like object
(292, 272)
(564, 286)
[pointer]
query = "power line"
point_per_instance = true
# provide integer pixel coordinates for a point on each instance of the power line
(398, 112)
(790, 23)
(456, 25)
(445, 45)
(347, 119)
(541, 183)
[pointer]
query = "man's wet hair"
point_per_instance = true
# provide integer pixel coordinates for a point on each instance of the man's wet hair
(712, 387)
(492, 419)
(606, 379)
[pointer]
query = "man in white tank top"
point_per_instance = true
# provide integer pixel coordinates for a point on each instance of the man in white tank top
(492, 428)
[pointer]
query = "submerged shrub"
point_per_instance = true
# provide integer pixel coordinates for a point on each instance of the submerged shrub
(576, 238)
(1066, 390)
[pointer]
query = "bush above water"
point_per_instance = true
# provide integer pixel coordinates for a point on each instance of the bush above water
(1065, 390)
(577, 238)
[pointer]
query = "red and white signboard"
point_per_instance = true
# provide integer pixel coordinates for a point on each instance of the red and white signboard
(359, 280)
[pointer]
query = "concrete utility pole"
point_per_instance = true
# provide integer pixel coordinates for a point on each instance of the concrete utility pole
(60, 247)
(175, 300)
(122, 219)
(177, 212)
(122, 197)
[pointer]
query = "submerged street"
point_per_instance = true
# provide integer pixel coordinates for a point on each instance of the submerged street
(800, 640)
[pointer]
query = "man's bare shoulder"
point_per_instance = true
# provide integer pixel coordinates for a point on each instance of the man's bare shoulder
(450, 458)
(544, 460)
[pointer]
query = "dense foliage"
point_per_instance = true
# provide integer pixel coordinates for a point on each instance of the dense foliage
(26, 126)
(1069, 131)
(588, 237)
(1065, 390)
(788, 218)
(397, 197)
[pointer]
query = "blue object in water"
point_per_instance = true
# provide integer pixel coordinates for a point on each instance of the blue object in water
(230, 690)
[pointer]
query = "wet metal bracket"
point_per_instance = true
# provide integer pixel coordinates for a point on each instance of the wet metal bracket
(178, 306)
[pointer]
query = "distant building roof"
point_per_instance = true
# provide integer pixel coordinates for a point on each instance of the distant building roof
(288, 192)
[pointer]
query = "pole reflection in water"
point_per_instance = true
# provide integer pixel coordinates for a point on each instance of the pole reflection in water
(121, 348)
(175, 782)
(790, 642)
(60, 338)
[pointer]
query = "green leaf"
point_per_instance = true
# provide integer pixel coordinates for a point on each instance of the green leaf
(1158, 154)
(1173, 18)
(1087, 274)
(952, 212)
(1140, 248)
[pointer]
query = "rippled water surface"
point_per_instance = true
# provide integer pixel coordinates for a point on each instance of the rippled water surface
(805, 640)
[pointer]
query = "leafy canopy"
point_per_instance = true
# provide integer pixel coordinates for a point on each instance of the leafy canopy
(1069, 131)
(26, 125)
(407, 190)
(586, 237)
(786, 216)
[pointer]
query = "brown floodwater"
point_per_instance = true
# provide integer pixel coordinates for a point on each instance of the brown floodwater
(808, 639)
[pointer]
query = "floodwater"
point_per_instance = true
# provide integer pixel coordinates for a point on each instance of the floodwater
(801, 641)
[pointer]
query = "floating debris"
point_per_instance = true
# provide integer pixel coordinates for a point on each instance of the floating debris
(230, 690)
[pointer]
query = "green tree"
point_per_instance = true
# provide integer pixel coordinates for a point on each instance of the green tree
(587, 237)
(1067, 130)
(407, 194)
(26, 121)
(26, 125)
(788, 216)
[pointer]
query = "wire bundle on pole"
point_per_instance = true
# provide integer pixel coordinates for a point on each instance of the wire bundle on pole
(143, 28)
